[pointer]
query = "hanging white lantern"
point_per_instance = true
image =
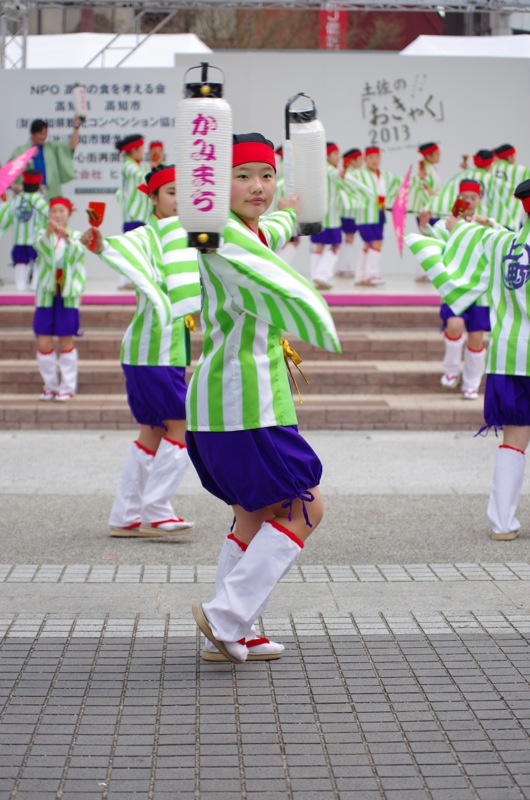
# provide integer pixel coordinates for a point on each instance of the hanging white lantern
(305, 164)
(203, 159)
(80, 101)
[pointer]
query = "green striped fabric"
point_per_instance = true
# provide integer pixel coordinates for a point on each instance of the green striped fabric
(27, 213)
(364, 184)
(423, 191)
(157, 260)
(53, 255)
(135, 205)
(250, 297)
(481, 262)
(489, 203)
(510, 175)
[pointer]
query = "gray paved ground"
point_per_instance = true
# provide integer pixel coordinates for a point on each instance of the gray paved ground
(406, 672)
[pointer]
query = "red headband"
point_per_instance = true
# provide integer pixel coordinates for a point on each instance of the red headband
(470, 186)
(526, 203)
(61, 201)
(428, 150)
(31, 180)
(155, 144)
(372, 151)
(331, 148)
(253, 152)
(506, 153)
(132, 145)
(482, 162)
(160, 178)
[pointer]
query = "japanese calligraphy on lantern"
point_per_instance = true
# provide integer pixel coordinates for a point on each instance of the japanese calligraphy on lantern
(203, 152)
(396, 108)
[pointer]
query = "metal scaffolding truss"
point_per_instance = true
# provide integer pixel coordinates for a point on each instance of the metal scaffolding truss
(14, 16)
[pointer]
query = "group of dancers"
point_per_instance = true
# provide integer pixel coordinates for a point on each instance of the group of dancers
(236, 421)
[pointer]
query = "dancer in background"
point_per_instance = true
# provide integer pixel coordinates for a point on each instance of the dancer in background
(477, 261)
(136, 207)
(351, 160)
(154, 353)
(326, 243)
(60, 284)
(26, 214)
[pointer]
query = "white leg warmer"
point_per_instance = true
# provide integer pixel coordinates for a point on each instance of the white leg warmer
(373, 266)
(21, 277)
(165, 476)
(247, 589)
(47, 363)
(360, 270)
(452, 356)
(125, 512)
(473, 369)
(68, 368)
(344, 262)
(506, 486)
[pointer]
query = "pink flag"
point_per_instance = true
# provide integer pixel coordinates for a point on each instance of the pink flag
(399, 210)
(10, 171)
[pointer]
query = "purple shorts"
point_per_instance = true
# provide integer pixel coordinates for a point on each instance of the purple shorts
(155, 393)
(507, 400)
(348, 225)
(254, 468)
(23, 254)
(131, 226)
(476, 318)
(332, 236)
(56, 320)
(373, 232)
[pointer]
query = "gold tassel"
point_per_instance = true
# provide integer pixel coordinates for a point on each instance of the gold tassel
(190, 322)
(290, 354)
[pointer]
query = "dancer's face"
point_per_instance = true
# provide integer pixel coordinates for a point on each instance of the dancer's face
(165, 201)
(252, 190)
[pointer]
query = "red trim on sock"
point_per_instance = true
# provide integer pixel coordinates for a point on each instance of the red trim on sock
(71, 350)
(141, 447)
(287, 532)
(480, 350)
(454, 338)
(173, 442)
(132, 527)
(232, 538)
(257, 641)
(509, 447)
(241, 641)
(45, 352)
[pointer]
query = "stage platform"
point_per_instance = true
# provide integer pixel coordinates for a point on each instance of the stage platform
(399, 290)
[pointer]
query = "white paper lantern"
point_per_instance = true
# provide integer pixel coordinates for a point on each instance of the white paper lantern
(80, 101)
(305, 164)
(203, 160)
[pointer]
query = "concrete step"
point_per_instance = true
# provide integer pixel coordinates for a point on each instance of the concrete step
(21, 376)
(346, 317)
(364, 345)
(319, 412)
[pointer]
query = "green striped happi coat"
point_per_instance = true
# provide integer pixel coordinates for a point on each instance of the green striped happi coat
(475, 262)
(250, 297)
(511, 211)
(54, 255)
(423, 191)
(26, 213)
(364, 184)
(157, 260)
(135, 205)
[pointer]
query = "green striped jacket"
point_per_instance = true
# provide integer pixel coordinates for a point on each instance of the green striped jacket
(480, 262)
(157, 260)
(27, 213)
(511, 211)
(363, 182)
(135, 205)
(420, 192)
(55, 254)
(250, 297)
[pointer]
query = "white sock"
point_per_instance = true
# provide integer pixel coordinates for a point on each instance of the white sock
(506, 487)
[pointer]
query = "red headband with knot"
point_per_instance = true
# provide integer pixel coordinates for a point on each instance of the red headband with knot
(331, 148)
(61, 201)
(482, 162)
(160, 178)
(253, 152)
(510, 151)
(132, 145)
(470, 186)
(372, 151)
(426, 151)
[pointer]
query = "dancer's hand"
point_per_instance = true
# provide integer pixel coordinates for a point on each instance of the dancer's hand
(288, 202)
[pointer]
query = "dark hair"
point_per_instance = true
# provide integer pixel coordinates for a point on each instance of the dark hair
(154, 171)
(241, 138)
(38, 125)
(119, 144)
